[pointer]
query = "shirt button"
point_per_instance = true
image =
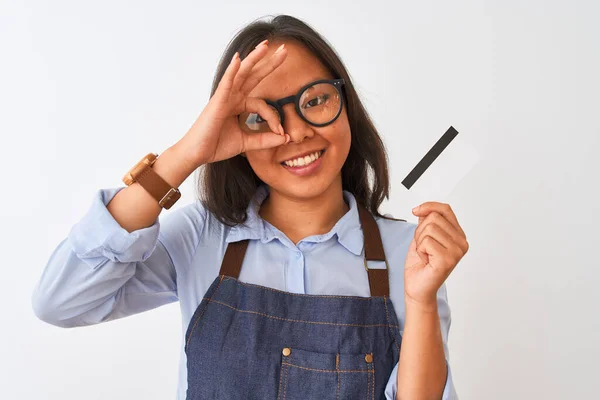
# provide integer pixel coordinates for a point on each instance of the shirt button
(298, 255)
(286, 351)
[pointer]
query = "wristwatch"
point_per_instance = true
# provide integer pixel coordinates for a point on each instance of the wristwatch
(143, 173)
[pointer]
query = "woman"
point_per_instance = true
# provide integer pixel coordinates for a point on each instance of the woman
(271, 267)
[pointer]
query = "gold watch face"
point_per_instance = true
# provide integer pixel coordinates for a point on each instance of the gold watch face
(134, 172)
(128, 179)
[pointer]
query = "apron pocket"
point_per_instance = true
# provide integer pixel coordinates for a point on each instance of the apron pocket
(325, 376)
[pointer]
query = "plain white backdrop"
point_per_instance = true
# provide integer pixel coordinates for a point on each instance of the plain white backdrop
(88, 88)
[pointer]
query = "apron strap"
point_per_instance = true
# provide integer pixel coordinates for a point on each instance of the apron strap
(373, 246)
(378, 278)
(234, 256)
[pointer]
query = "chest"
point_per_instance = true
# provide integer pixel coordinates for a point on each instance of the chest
(323, 268)
(309, 268)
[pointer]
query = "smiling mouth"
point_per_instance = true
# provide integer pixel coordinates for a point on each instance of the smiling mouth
(303, 161)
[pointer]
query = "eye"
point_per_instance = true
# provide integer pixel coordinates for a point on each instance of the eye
(254, 118)
(254, 121)
(251, 122)
(316, 101)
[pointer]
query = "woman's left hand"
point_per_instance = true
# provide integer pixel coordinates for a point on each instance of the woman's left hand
(438, 245)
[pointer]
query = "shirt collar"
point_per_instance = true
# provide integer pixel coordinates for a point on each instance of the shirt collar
(347, 229)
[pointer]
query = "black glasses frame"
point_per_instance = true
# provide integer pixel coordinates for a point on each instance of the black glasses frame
(278, 104)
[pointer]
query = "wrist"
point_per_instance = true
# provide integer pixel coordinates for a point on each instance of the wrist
(188, 160)
(427, 306)
(172, 166)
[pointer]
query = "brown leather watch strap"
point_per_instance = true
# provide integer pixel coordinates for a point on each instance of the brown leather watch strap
(158, 188)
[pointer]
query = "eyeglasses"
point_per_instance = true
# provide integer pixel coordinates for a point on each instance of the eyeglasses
(319, 103)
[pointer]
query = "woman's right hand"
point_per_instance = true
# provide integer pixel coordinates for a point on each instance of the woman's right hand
(216, 134)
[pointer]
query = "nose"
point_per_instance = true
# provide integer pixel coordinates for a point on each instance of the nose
(295, 126)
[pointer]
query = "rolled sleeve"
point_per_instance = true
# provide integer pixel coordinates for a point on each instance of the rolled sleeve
(448, 394)
(445, 315)
(101, 272)
(98, 236)
(449, 390)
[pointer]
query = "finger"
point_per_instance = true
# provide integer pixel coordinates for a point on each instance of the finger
(422, 255)
(262, 69)
(259, 106)
(440, 221)
(247, 64)
(451, 248)
(428, 207)
(264, 140)
(226, 83)
(437, 258)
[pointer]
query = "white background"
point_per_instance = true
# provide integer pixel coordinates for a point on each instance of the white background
(88, 88)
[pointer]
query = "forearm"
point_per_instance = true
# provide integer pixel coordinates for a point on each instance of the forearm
(133, 207)
(422, 365)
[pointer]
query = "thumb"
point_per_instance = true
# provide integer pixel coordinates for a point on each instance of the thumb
(265, 140)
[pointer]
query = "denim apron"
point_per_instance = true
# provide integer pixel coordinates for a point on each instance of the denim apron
(247, 341)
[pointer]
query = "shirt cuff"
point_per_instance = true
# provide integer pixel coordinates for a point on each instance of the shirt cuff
(448, 394)
(98, 237)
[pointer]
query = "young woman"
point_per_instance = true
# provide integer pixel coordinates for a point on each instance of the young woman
(292, 285)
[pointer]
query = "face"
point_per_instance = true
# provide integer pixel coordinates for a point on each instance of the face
(275, 166)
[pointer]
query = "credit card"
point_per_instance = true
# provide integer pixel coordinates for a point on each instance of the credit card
(441, 168)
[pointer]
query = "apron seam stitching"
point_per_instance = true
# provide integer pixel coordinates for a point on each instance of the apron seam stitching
(202, 313)
(387, 315)
(280, 380)
(285, 382)
(368, 384)
(372, 382)
(337, 367)
(326, 370)
(210, 300)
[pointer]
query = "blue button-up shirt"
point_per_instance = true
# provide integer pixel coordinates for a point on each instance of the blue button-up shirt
(101, 272)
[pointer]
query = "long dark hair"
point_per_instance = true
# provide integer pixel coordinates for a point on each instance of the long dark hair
(226, 187)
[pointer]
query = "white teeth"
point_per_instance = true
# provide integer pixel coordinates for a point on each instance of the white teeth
(302, 161)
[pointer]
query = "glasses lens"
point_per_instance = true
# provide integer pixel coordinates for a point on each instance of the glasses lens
(320, 103)
(254, 123)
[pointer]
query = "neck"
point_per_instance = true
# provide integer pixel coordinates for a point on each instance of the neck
(300, 218)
